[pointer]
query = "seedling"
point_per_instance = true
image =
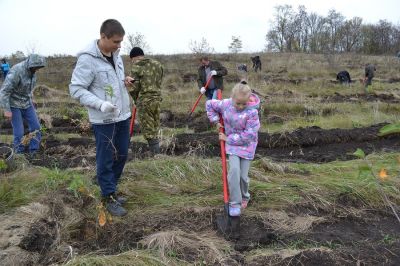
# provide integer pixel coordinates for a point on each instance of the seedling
(109, 90)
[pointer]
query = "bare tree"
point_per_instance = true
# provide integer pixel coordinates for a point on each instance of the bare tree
(236, 45)
(136, 40)
(299, 31)
(334, 22)
(315, 25)
(201, 47)
(279, 35)
(350, 34)
(18, 55)
(30, 48)
(302, 31)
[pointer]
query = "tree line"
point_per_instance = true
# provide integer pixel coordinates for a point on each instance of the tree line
(301, 31)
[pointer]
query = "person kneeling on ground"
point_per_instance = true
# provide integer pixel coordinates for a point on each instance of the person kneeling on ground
(240, 116)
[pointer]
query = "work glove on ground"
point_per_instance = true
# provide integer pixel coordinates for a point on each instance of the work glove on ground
(202, 90)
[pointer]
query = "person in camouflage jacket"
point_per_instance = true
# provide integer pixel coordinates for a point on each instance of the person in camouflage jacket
(369, 75)
(209, 69)
(16, 100)
(146, 76)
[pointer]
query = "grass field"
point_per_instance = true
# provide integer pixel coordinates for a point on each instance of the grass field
(312, 201)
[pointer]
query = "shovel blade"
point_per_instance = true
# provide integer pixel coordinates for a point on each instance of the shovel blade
(228, 226)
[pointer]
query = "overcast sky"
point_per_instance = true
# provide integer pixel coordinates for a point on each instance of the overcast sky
(65, 27)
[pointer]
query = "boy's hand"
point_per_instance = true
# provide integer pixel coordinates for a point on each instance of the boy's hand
(8, 115)
(218, 125)
(222, 136)
(129, 81)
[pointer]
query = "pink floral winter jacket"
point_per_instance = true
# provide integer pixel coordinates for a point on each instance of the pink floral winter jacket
(241, 127)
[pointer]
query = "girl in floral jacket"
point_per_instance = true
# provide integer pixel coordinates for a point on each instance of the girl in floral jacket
(240, 115)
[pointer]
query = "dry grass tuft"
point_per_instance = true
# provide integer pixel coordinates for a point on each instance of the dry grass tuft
(132, 257)
(284, 223)
(188, 246)
(279, 168)
(288, 256)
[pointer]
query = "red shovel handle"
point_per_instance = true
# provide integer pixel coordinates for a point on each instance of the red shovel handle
(198, 98)
(223, 156)
(132, 121)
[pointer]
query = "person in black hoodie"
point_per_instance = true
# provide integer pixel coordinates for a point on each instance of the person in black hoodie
(343, 77)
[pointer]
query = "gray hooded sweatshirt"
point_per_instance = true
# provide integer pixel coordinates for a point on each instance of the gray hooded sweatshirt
(95, 81)
(16, 90)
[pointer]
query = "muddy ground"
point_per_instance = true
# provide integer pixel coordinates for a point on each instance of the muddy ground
(372, 97)
(58, 229)
(311, 144)
(198, 120)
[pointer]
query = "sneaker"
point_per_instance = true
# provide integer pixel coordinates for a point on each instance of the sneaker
(122, 200)
(244, 203)
(114, 207)
(234, 211)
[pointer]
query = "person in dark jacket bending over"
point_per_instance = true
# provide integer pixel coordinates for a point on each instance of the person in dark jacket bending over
(343, 77)
(214, 70)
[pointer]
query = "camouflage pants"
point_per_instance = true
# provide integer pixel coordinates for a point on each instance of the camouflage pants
(368, 82)
(149, 117)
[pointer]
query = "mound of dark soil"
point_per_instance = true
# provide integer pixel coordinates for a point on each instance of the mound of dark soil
(338, 98)
(41, 236)
(198, 121)
(311, 144)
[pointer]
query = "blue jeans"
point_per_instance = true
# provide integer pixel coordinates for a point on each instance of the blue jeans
(5, 74)
(112, 143)
(211, 94)
(17, 122)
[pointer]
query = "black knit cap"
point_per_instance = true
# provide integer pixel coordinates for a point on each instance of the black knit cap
(136, 51)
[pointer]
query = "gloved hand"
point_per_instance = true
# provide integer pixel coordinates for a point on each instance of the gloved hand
(213, 72)
(202, 90)
(117, 112)
(107, 107)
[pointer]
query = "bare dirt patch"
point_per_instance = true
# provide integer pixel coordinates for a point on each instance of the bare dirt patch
(373, 97)
(311, 144)
(59, 228)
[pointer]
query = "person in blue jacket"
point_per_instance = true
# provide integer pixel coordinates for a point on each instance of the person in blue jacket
(5, 67)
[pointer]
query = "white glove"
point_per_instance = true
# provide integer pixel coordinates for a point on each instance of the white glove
(107, 107)
(213, 72)
(202, 90)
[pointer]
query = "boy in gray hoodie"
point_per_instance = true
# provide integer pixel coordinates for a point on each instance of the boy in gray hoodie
(16, 100)
(98, 83)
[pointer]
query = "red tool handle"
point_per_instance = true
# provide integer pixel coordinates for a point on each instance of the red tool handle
(198, 98)
(132, 121)
(223, 156)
